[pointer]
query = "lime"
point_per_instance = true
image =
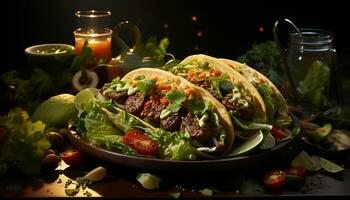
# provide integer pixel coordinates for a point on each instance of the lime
(316, 159)
(83, 100)
(268, 142)
(330, 166)
(55, 111)
(248, 145)
(304, 160)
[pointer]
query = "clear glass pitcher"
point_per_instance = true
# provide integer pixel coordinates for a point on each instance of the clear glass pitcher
(310, 65)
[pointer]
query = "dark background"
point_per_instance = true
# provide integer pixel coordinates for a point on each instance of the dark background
(228, 28)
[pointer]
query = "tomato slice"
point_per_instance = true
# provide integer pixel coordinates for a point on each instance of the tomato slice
(275, 179)
(143, 144)
(297, 171)
(72, 157)
(278, 134)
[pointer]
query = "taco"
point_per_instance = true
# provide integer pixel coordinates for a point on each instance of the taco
(243, 102)
(276, 106)
(176, 106)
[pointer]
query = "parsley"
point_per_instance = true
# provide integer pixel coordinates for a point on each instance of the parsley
(198, 107)
(146, 86)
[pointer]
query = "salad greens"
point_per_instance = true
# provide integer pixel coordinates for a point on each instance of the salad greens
(103, 125)
(265, 58)
(25, 143)
(313, 86)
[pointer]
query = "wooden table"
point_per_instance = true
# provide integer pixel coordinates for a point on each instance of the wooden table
(121, 183)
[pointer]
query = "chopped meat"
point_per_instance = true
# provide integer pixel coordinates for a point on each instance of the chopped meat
(190, 124)
(119, 97)
(172, 122)
(134, 104)
(152, 110)
(242, 111)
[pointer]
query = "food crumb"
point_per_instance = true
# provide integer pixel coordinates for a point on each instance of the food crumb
(174, 195)
(206, 192)
(71, 192)
(59, 181)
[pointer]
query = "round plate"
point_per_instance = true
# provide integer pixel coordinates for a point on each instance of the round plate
(175, 166)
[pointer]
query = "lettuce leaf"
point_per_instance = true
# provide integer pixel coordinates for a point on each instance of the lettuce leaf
(25, 144)
(313, 86)
(173, 145)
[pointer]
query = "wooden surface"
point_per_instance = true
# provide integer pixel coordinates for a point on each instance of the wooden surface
(121, 183)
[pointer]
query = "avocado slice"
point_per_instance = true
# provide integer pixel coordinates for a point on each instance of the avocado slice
(318, 134)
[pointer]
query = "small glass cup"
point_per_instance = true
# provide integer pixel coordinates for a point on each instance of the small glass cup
(94, 27)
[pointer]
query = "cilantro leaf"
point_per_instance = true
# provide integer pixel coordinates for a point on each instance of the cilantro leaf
(197, 106)
(176, 97)
(146, 86)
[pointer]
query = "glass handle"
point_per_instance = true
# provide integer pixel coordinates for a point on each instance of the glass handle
(120, 42)
(282, 52)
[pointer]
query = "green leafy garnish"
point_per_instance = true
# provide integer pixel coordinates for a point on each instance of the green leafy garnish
(265, 58)
(220, 84)
(313, 86)
(25, 144)
(85, 59)
(198, 106)
(175, 99)
(146, 86)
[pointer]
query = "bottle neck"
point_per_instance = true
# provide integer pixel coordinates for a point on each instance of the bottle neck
(311, 39)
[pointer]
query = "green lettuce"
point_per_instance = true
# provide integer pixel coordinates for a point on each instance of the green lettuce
(313, 86)
(25, 144)
(173, 146)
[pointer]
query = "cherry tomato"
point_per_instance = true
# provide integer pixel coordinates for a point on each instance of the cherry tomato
(297, 171)
(275, 179)
(278, 134)
(72, 157)
(143, 144)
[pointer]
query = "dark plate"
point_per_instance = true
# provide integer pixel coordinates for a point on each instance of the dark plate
(319, 150)
(258, 160)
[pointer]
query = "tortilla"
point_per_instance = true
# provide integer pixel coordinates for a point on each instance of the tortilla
(256, 78)
(237, 79)
(184, 85)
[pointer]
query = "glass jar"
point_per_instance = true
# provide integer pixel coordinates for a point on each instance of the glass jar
(311, 60)
(94, 27)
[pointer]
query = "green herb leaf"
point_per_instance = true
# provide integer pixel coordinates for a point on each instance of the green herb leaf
(146, 86)
(197, 106)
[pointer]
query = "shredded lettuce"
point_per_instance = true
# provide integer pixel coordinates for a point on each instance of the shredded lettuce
(249, 125)
(173, 146)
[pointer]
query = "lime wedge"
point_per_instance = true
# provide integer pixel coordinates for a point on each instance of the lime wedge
(316, 159)
(330, 166)
(304, 160)
(248, 145)
(83, 100)
(268, 142)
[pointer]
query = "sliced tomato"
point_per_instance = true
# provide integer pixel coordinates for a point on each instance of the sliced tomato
(143, 144)
(297, 171)
(278, 134)
(72, 157)
(275, 179)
